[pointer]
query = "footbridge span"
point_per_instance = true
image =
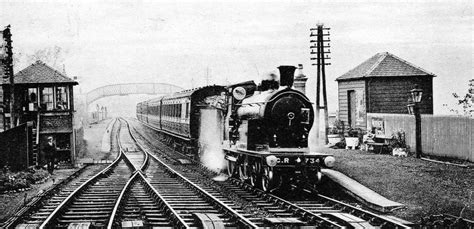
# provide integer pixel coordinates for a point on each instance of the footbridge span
(131, 88)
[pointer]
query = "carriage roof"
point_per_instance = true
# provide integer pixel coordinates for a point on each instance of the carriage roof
(182, 94)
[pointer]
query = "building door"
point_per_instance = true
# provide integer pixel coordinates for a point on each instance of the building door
(351, 97)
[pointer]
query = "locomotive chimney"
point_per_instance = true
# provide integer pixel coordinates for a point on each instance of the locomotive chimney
(300, 80)
(287, 74)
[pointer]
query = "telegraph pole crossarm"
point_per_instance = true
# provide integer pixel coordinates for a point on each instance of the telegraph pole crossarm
(320, 47)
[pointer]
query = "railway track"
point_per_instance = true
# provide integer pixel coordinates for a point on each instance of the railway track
(141, 205)
(38, 210)
(321, 212)
(142, 188)
(191, 205)
(94, 200)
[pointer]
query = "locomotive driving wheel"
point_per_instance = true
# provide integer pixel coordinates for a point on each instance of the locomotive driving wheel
(243, 170)
(253, 173)
(231, 168)
(267, 179)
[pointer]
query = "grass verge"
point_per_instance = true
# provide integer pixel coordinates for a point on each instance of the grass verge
(426, 188)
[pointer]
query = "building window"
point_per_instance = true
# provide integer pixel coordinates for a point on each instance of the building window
(62, 101)
(32, 99)
(47, 98)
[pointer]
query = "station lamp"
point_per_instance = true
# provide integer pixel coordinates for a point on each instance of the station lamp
(411, 108)
(414, 108)
(416, 94)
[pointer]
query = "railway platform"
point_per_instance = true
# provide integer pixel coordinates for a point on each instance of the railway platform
(362, 193)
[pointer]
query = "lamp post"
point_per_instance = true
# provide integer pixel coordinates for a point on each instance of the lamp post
(414, 108)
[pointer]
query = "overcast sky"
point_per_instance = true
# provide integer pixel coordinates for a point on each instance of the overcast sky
(176, 41)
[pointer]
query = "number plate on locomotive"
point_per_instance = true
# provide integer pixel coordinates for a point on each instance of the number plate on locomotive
(296, 160)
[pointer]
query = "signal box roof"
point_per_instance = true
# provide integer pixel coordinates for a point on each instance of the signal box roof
(40, 73)
(384, 64)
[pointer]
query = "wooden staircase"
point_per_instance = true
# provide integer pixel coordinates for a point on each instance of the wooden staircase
(35, 148)
(35, 140)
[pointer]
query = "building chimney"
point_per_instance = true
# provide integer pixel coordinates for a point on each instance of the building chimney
(300, 80)
(287, 74)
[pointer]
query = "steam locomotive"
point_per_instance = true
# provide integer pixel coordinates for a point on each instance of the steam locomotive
(264, 129)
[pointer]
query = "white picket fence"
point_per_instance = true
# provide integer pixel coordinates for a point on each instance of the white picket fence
(446, 136)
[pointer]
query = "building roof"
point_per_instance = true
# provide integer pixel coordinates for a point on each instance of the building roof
(40, 73)
(384, 64)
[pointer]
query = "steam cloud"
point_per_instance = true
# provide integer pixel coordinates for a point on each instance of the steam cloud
(210, 139)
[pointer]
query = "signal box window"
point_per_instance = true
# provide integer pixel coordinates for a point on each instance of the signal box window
(62, 98)
(32, 99)
(47, 98)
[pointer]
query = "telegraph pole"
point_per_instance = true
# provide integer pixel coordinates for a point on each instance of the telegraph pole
(319, 47)
(7, 64)
(207, 76)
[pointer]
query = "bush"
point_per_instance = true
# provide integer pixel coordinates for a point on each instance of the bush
(337, 127)
(23, 179)
(398, 140)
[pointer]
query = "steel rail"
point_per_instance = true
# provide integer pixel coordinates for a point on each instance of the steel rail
(70, 198)
(365, 213)
(120, 198)
(176, 152)
(36, 201)
(126, 159)
(174, 215)
(75, 192)
(304, 213)
(241, 218)
(145, 163)
(139, 173)
(228, 209)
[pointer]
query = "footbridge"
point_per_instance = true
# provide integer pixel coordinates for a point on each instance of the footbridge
(131, 88)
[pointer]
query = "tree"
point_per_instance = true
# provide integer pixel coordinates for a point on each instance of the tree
(53, 56)
(465, 103)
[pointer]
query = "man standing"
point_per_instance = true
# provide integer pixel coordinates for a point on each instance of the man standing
(50, 153)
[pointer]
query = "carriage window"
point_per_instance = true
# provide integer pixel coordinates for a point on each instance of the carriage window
(177, 111)
(172, 110)
(187, 110)
(169, 110)
(47, 98)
